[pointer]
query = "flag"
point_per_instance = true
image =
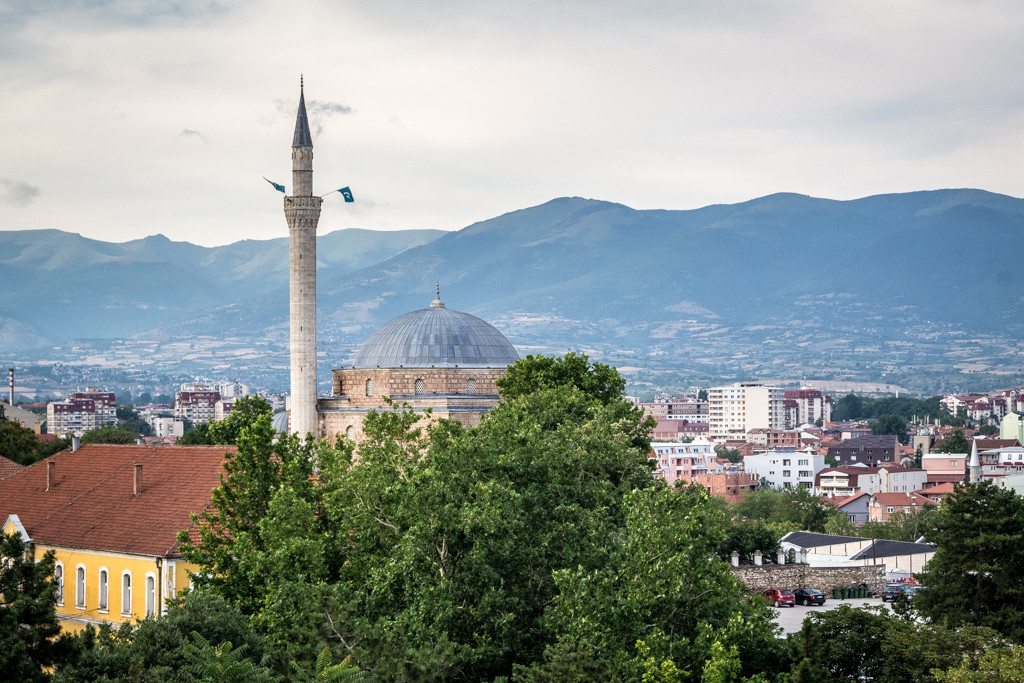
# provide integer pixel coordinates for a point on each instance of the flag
(279, 188)
(347, 194)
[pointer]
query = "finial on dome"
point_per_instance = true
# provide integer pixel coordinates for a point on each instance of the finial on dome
(300, 82)
(437, 303)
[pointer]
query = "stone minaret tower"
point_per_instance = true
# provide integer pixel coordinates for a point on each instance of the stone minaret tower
(302, 209)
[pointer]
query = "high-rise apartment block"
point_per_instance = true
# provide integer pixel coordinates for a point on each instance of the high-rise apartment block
(806, 406)
(735, 409)
(196, 402)
(81, 412)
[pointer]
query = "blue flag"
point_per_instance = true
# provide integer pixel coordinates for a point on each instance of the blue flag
(279, 188)
(347, 194)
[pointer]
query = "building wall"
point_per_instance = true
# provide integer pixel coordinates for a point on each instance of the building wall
(735, 409)
(463, 394)
(793, 576)
(169, 579)
(785, 468)
(732, 486)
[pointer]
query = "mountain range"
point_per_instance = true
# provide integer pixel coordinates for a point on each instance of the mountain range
(921, 286)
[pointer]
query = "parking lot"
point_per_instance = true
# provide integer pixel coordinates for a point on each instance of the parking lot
(792, 618)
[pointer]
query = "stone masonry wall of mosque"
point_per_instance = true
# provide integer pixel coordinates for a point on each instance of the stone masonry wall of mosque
(402, 382)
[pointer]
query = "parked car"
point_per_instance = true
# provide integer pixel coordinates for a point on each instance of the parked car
(780, 597)
(894, 590)
(809, 596)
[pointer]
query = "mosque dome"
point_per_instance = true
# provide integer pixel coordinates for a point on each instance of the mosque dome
(436, 337)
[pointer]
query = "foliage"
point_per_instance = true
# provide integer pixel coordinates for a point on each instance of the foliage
(28, 621)
(109, 434)
(200, 638)
(730, 454)
(891, 424)
(473, 553)
(975, 574)
(796, 507)
(870, 644)
(988, 430)
(1003, 664)
(746, 536)
(198, 435)
(954, 443)
(20, 444)
(853, 407)
(244, 412)
(132, 420)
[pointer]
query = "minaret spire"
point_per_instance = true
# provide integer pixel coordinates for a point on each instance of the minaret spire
(302, 210)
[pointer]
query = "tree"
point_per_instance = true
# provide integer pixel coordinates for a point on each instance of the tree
(702, 394)
(28, 621)
(954, 443)
(245, 412)
(458, 543)
(109, 434)
(790, 509)
(200, 635)
(849, 407)
(891, 424)
(133, 421)
(975, 574)
(17, 443)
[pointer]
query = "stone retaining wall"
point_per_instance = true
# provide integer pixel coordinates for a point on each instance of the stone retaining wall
(793, 576)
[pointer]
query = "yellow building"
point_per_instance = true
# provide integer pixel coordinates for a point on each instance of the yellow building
(112, 514)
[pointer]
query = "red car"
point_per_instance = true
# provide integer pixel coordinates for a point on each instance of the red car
(779, 597)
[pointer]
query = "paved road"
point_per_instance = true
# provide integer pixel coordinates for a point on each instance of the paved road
(792, 618)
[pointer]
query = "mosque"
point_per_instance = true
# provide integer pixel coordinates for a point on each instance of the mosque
(435, 358)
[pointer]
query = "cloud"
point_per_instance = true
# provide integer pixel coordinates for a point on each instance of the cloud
(16, 192)
(316, 110)
(189, 133)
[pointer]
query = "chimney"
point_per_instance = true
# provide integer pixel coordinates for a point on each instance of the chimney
(51, 474)
(76, 442)
(138, 478)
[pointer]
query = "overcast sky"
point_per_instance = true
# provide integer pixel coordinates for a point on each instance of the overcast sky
(129, 118)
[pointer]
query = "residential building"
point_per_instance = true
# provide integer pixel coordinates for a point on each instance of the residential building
(112, 514)
(775, 438)
(197, 403)
(1001, 462)
(81, 412)
(26, 418)
(681, 462)
(732, 486)
(785, 467)
(943, 468)
(1012, 427)
(166, 425)
(855, 507)
(222, 409)
(806, 406)
(230, 390)
(676, 409)
(846, 481)
(735, 409)
(674, 430)
(883, 505)
(871, 450)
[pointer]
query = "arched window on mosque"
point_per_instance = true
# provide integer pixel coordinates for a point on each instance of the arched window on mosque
(350, 433)
(419, 386)
(471, 385)
(369, 387)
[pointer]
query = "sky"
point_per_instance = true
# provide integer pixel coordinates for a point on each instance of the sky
(130, 118)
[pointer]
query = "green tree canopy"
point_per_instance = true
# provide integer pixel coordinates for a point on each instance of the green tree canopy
(109, 434)
(975, 575)
(954, 443)
(891, 424)
(28, 620)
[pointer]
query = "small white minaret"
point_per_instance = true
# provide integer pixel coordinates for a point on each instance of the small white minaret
(975, 465)
(302, 209)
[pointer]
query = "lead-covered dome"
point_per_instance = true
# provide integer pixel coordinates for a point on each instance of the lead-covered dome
(436, 337)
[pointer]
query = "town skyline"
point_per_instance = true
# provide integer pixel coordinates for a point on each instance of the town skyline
(124, 121)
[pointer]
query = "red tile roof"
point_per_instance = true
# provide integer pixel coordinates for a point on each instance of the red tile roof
(8, 467)
(92, 504)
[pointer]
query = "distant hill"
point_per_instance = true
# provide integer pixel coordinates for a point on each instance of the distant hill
(784, 285)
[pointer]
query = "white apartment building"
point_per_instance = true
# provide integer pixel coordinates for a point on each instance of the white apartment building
(806, 406)
(785, 467)
(165, 425)
(81, 412)
(735, 409)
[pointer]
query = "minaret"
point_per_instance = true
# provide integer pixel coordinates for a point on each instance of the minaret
(302, 210)
(975, 464)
